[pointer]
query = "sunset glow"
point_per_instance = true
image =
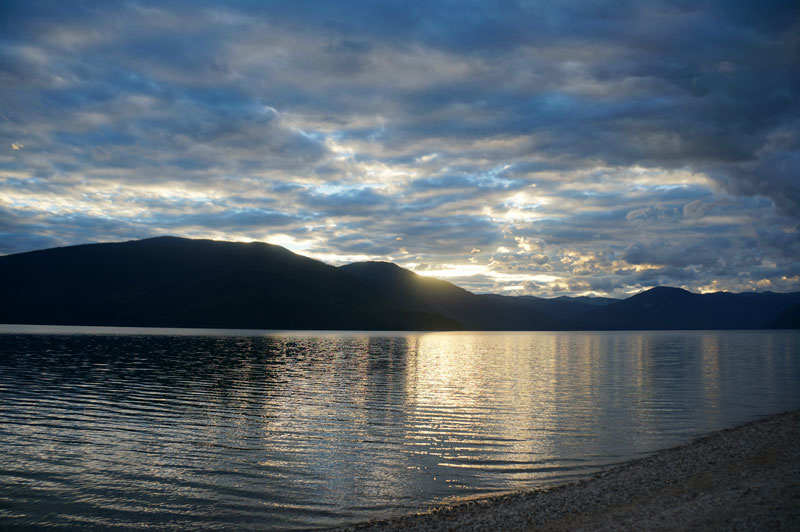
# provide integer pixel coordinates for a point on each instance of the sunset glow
(577, 153)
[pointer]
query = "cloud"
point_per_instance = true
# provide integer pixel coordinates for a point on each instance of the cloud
(606, 145)
(771, 172)
(694, 209)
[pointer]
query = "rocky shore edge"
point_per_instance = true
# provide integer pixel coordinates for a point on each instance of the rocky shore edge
(742, 478)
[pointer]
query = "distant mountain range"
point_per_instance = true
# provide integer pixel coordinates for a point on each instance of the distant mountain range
(177, 282)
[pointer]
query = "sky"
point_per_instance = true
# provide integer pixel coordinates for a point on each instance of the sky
(544, 148)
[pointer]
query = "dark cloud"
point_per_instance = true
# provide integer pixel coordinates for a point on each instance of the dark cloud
(605, 144)
(662, 253)
(346, 57)
(238, 219)
(344, 202)
(490, 181)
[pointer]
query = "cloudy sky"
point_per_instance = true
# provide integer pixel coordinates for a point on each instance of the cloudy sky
(545, 148)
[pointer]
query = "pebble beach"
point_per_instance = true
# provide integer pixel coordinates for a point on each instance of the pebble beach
(743, 478)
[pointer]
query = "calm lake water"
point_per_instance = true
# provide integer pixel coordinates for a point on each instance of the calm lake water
(175, 429)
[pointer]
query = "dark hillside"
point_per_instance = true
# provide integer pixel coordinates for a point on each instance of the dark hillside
(674, 308)
(568, 309)
(788, 319)
(192, 283)
(478, 312)
(177, 282)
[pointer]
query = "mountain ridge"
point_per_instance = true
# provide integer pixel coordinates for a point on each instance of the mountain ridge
(410, 290)
(179, 282)
(169, 281)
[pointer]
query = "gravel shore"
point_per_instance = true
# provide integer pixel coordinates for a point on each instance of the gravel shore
(744, 478)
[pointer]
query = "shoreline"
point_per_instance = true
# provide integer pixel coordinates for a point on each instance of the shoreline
(741, 478)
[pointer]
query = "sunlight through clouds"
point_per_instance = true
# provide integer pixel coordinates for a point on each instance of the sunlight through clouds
(534, 149)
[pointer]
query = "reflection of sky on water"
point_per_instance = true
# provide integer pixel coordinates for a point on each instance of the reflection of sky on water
(298, 429)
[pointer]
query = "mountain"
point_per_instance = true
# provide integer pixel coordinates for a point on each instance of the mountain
(589, 300)
(675, 308)
(475, 312)
(176, 282)
(788, 319)
(569, 309)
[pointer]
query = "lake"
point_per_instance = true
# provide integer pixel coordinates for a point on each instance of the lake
(197, 429)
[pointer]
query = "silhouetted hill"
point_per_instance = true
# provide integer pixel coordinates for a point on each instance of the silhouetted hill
(675, 308)
(589, 300)
(478, 312)
(788, 319)
(177, 282)
(564, 308)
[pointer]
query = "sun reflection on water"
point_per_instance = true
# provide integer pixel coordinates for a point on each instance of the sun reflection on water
(306, 429)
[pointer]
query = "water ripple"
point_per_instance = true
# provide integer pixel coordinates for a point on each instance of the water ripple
(297, 431)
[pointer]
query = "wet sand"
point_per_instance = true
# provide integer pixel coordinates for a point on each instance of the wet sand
(744, 478)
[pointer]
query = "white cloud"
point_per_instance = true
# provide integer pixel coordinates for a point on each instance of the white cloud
(344, 135)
